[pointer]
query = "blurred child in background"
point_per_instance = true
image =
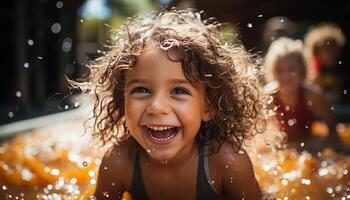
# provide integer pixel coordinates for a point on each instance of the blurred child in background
(323, 44)
(296, 103)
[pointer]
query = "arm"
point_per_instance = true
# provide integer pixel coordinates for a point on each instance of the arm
(240, 182)
(237, 176)
(109, 184)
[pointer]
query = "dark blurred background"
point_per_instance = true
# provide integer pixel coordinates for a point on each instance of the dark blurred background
(45, 40)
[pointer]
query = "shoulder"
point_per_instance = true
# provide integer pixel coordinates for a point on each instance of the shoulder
(230, 156)
(115, 172)
(234, 171)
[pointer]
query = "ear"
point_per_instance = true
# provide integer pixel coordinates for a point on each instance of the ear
(207, 114)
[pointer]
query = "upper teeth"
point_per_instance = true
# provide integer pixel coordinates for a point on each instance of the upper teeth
(160, 128)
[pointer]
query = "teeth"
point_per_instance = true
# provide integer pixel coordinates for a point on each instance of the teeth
(160, 128)
(163, 139)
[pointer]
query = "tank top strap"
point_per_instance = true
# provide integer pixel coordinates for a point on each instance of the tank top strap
(137, 185)
(205, 187)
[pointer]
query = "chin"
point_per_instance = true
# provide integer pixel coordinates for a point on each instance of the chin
(161, 155)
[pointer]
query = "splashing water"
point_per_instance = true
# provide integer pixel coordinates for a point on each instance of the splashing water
(56, 162)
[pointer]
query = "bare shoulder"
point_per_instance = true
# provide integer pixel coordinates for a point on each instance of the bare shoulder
(233, 169)
(230, 156)
(115, 172)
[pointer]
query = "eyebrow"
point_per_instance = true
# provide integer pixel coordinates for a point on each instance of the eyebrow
(175, 80)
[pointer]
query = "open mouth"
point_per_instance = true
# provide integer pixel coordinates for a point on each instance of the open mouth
(162, 134)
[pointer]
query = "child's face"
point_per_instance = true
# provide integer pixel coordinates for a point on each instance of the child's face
(328, 54)
(158, 96)
(288, 74)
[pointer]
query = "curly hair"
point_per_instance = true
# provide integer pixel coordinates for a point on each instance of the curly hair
(281, 48)
(225, 69)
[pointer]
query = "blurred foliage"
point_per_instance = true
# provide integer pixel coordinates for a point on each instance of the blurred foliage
(96, 30)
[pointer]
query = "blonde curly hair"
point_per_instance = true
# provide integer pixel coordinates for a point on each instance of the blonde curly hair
(320, 34)
(225, 69)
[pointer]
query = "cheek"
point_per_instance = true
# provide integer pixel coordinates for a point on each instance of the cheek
(190, 113)
(133, 111)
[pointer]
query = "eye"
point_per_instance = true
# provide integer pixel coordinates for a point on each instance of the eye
(140, 90)
(180, 91)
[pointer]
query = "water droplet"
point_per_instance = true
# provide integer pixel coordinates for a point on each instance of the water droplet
(81, 20)
(73, 181)
(269, 99)
(4, 187)
(30, 42)
(55, 172)
(18, 94)
(338, 188)
(66, 107)
(76, 104)
(56, 27)
(345, 91)
(70, 69)
(105, 168)
(329, 190)
(260, 15)
(40, 58)
(250, 25)
(287, 108)
(67, 45)
(11, 114)
(49, 187)
(26, 174)
(91, 173)
(106, 194)
(339, 62)
(59, 4)
(93, 181)
(85, 163)
(292, 122)
(302, 144)
(26, 65)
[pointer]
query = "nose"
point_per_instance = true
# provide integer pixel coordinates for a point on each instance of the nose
(158, 106)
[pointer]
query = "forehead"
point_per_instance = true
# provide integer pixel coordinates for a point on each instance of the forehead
(289, 60)
(154, 63)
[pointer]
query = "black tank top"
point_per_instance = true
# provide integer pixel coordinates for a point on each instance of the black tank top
(205, 190)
